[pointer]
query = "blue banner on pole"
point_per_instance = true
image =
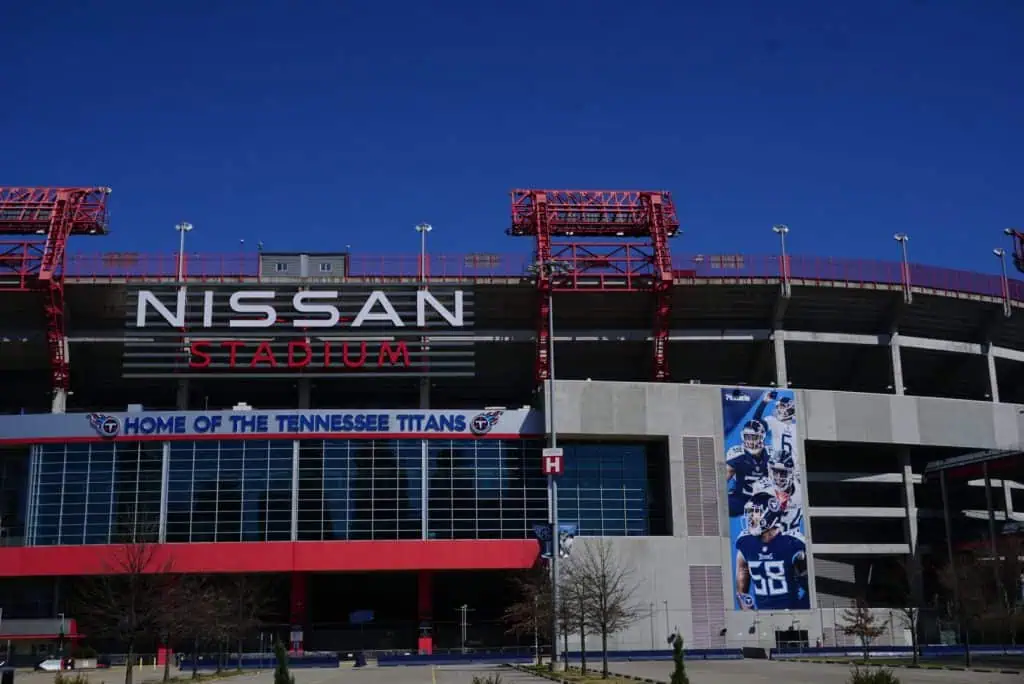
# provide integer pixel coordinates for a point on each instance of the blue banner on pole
(566, 536)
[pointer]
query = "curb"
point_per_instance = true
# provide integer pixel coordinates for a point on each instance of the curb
(953, 668)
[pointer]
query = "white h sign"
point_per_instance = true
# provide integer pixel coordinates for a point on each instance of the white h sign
(551, 461)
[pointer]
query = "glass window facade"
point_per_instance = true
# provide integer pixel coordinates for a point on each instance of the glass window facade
(229, 491)
(242, 491)
(98, 493)
(14, 465)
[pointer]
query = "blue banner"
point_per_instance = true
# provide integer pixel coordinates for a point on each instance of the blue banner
(764, 488)
(242, 424)
(566, 537)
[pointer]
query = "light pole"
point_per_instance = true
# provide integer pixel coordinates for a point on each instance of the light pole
(903, 239)
(548, 270)
(781, 229)
(423, 229)
(182, 228)
(1000, 254)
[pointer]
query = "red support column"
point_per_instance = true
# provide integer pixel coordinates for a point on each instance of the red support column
(425, 612)
(298, 613)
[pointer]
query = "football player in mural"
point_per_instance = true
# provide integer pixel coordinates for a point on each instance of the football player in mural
(771, 564)
(745, 465)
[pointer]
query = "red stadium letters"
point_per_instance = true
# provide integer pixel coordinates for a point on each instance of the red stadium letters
(298, 354)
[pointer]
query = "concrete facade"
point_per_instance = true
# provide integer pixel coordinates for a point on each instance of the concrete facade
(685, 580)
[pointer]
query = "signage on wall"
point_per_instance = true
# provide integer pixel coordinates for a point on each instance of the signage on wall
(764, 490)
(267, 425)
(264, 331)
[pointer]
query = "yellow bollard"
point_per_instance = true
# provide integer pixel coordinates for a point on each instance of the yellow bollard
(433, 674)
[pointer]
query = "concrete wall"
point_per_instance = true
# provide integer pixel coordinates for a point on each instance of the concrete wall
(636, 409)
(691, 570)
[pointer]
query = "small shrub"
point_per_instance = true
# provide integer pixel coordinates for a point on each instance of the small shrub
(281, 674)
(69, 678)
(679, 670)
(872, 675)
(490, 679)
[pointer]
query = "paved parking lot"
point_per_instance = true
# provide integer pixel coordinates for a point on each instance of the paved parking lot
(460, 674)
(782, 672)
(700, 671)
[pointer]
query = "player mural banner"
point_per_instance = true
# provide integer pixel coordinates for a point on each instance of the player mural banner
(764, 477)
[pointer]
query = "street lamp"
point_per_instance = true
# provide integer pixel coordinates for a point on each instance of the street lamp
(781, 229)
(1000, 254)
(423, 229)
(182, 228)
(548, 269)
(903, 238)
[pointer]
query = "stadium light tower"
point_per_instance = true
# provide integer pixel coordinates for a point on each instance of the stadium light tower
(903, 239)
(781, 229)
(182, 228)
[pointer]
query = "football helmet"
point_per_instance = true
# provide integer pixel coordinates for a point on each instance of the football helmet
(754, 433)
(783, 472)
(762, 512)
(785, 409)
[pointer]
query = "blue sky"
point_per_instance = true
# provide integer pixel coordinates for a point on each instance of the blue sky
(325, 124)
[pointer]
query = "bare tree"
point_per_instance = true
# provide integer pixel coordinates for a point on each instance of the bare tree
(530, 613)
(969, 586)
(578, 616)
(607, 585)
(908, 580)
(129, 599)
(1008, 568)
(245, 600)
(860, 621)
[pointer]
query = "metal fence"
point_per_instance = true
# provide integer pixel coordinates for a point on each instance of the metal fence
(470, 266)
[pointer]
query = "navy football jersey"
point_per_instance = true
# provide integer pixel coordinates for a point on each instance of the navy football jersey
(747, 470)
(775, 583)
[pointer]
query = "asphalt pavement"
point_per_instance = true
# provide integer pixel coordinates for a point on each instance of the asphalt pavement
(783, 672)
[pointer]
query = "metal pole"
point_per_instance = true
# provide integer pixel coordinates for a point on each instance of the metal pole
(652, 626)
(1005, 282)
(536, 630)
(182, 228)
(552, 482)
(424, 403)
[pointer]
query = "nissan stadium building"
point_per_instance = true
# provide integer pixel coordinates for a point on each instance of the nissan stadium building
(762, 438)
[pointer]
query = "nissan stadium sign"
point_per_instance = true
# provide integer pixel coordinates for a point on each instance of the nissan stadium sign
(261, 331)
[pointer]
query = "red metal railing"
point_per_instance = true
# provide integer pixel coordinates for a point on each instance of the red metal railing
(17, 261)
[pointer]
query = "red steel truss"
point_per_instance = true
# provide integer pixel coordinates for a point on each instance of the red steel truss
(616, 262)
(1018, 249)
(51, 215)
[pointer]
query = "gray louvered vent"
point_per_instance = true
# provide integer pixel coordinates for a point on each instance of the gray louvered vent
(706, 597)
(700, 486)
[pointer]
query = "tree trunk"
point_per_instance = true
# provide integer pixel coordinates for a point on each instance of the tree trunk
(129, 665)
(604, 653)
(195, 658)
(583, 648)
(865, 642)
(167, 662)
(239, 654)
(913, 639)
